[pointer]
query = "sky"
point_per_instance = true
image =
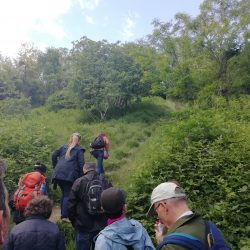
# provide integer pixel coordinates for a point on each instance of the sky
(57, 23)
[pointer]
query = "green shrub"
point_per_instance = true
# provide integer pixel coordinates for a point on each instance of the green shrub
(68, 233)
(132, 144)
(209, 155)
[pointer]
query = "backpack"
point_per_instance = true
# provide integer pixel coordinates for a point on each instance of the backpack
(97, 143)
(215, 240)
(31, 185)
(93, 192)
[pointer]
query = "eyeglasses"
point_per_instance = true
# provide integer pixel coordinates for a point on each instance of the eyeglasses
(156, 207)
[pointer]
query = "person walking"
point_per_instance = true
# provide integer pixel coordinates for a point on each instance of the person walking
(85, 211)
(121, 233)
(100, 150)
(186, 229)
(4, 208)
(67, 162)
(30, 185)
(36, 232)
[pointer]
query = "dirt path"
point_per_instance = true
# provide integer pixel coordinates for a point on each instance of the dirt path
(56, 214)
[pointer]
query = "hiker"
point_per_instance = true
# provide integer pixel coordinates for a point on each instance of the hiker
(85, 211)
(186, 229)
(121, 233)
(4, 208)
(30, 185)
(36, 232)
(67, 162)
(100, 150)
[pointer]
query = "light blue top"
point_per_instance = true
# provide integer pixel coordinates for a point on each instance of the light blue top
(124, 233)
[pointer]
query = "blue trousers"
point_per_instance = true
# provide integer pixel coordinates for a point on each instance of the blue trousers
(84, 240)
(99, 154)
(65, 187)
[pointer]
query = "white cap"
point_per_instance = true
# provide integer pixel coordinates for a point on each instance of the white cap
(165, 191)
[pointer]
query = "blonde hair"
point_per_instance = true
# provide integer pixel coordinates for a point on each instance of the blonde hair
(73, 141)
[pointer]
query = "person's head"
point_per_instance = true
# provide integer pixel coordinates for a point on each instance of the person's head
(89, 166)
(103, 134)
(168, 202)
(40, 167)
(3, 167)
(40, 205)
(113, 202)
(73, 141)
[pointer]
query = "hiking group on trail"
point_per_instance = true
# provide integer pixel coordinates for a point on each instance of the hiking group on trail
(96, 209)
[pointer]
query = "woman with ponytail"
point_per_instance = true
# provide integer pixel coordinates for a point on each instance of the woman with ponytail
(67, 161)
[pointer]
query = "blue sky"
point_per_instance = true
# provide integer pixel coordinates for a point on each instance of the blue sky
(57, 23)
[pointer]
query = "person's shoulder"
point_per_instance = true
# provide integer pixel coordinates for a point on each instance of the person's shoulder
(64, 146)
(101, 241)
(135, 223)
(79, 147)
(79, 181)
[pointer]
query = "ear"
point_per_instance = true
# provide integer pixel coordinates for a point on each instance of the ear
(124, 209)
(165, 205)
(102, 210)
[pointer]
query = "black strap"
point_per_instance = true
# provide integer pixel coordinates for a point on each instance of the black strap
(129, 247)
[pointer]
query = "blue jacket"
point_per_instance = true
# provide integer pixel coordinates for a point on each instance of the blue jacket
(68, 169)
(35, 233)
(124, 233)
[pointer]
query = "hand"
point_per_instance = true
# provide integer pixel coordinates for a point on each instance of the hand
(160, 231)
(158, 236)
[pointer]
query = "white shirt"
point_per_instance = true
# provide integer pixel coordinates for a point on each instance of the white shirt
(185, 214)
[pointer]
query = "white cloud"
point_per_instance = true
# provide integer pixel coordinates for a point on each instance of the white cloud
(19, 19)
(88, 4)
(129, 25)
(89, 19)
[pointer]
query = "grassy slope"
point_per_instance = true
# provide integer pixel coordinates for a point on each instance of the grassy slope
(26, 140)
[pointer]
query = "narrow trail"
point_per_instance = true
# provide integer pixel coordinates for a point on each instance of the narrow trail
(56, 214)
(122, 175)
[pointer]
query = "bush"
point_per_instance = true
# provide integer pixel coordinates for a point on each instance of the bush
(14, 106)
(68, 233)
(209, 155)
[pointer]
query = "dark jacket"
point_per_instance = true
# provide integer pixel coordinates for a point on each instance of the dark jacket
(190, 224)
(67, 169)
(78, 213)
(35, 233)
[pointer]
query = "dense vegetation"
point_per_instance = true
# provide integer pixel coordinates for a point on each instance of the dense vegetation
(131, 92)
(208, 152)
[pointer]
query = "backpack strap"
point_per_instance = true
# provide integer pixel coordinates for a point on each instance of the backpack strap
(214, 236)
(186, 240)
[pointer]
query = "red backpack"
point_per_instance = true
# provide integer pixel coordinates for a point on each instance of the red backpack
(28, 187)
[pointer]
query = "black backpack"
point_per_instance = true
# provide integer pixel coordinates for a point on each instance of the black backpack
(94, 189)
(97, 143)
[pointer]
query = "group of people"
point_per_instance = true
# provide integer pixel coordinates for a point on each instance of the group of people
(97, 211)
(68, 161)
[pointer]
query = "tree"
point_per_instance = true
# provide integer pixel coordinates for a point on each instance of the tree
(53, 70)
(28, 81)
(221, 30)
(103, 76)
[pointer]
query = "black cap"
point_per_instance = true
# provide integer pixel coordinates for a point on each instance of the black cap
(40, 167)
(113, 200)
